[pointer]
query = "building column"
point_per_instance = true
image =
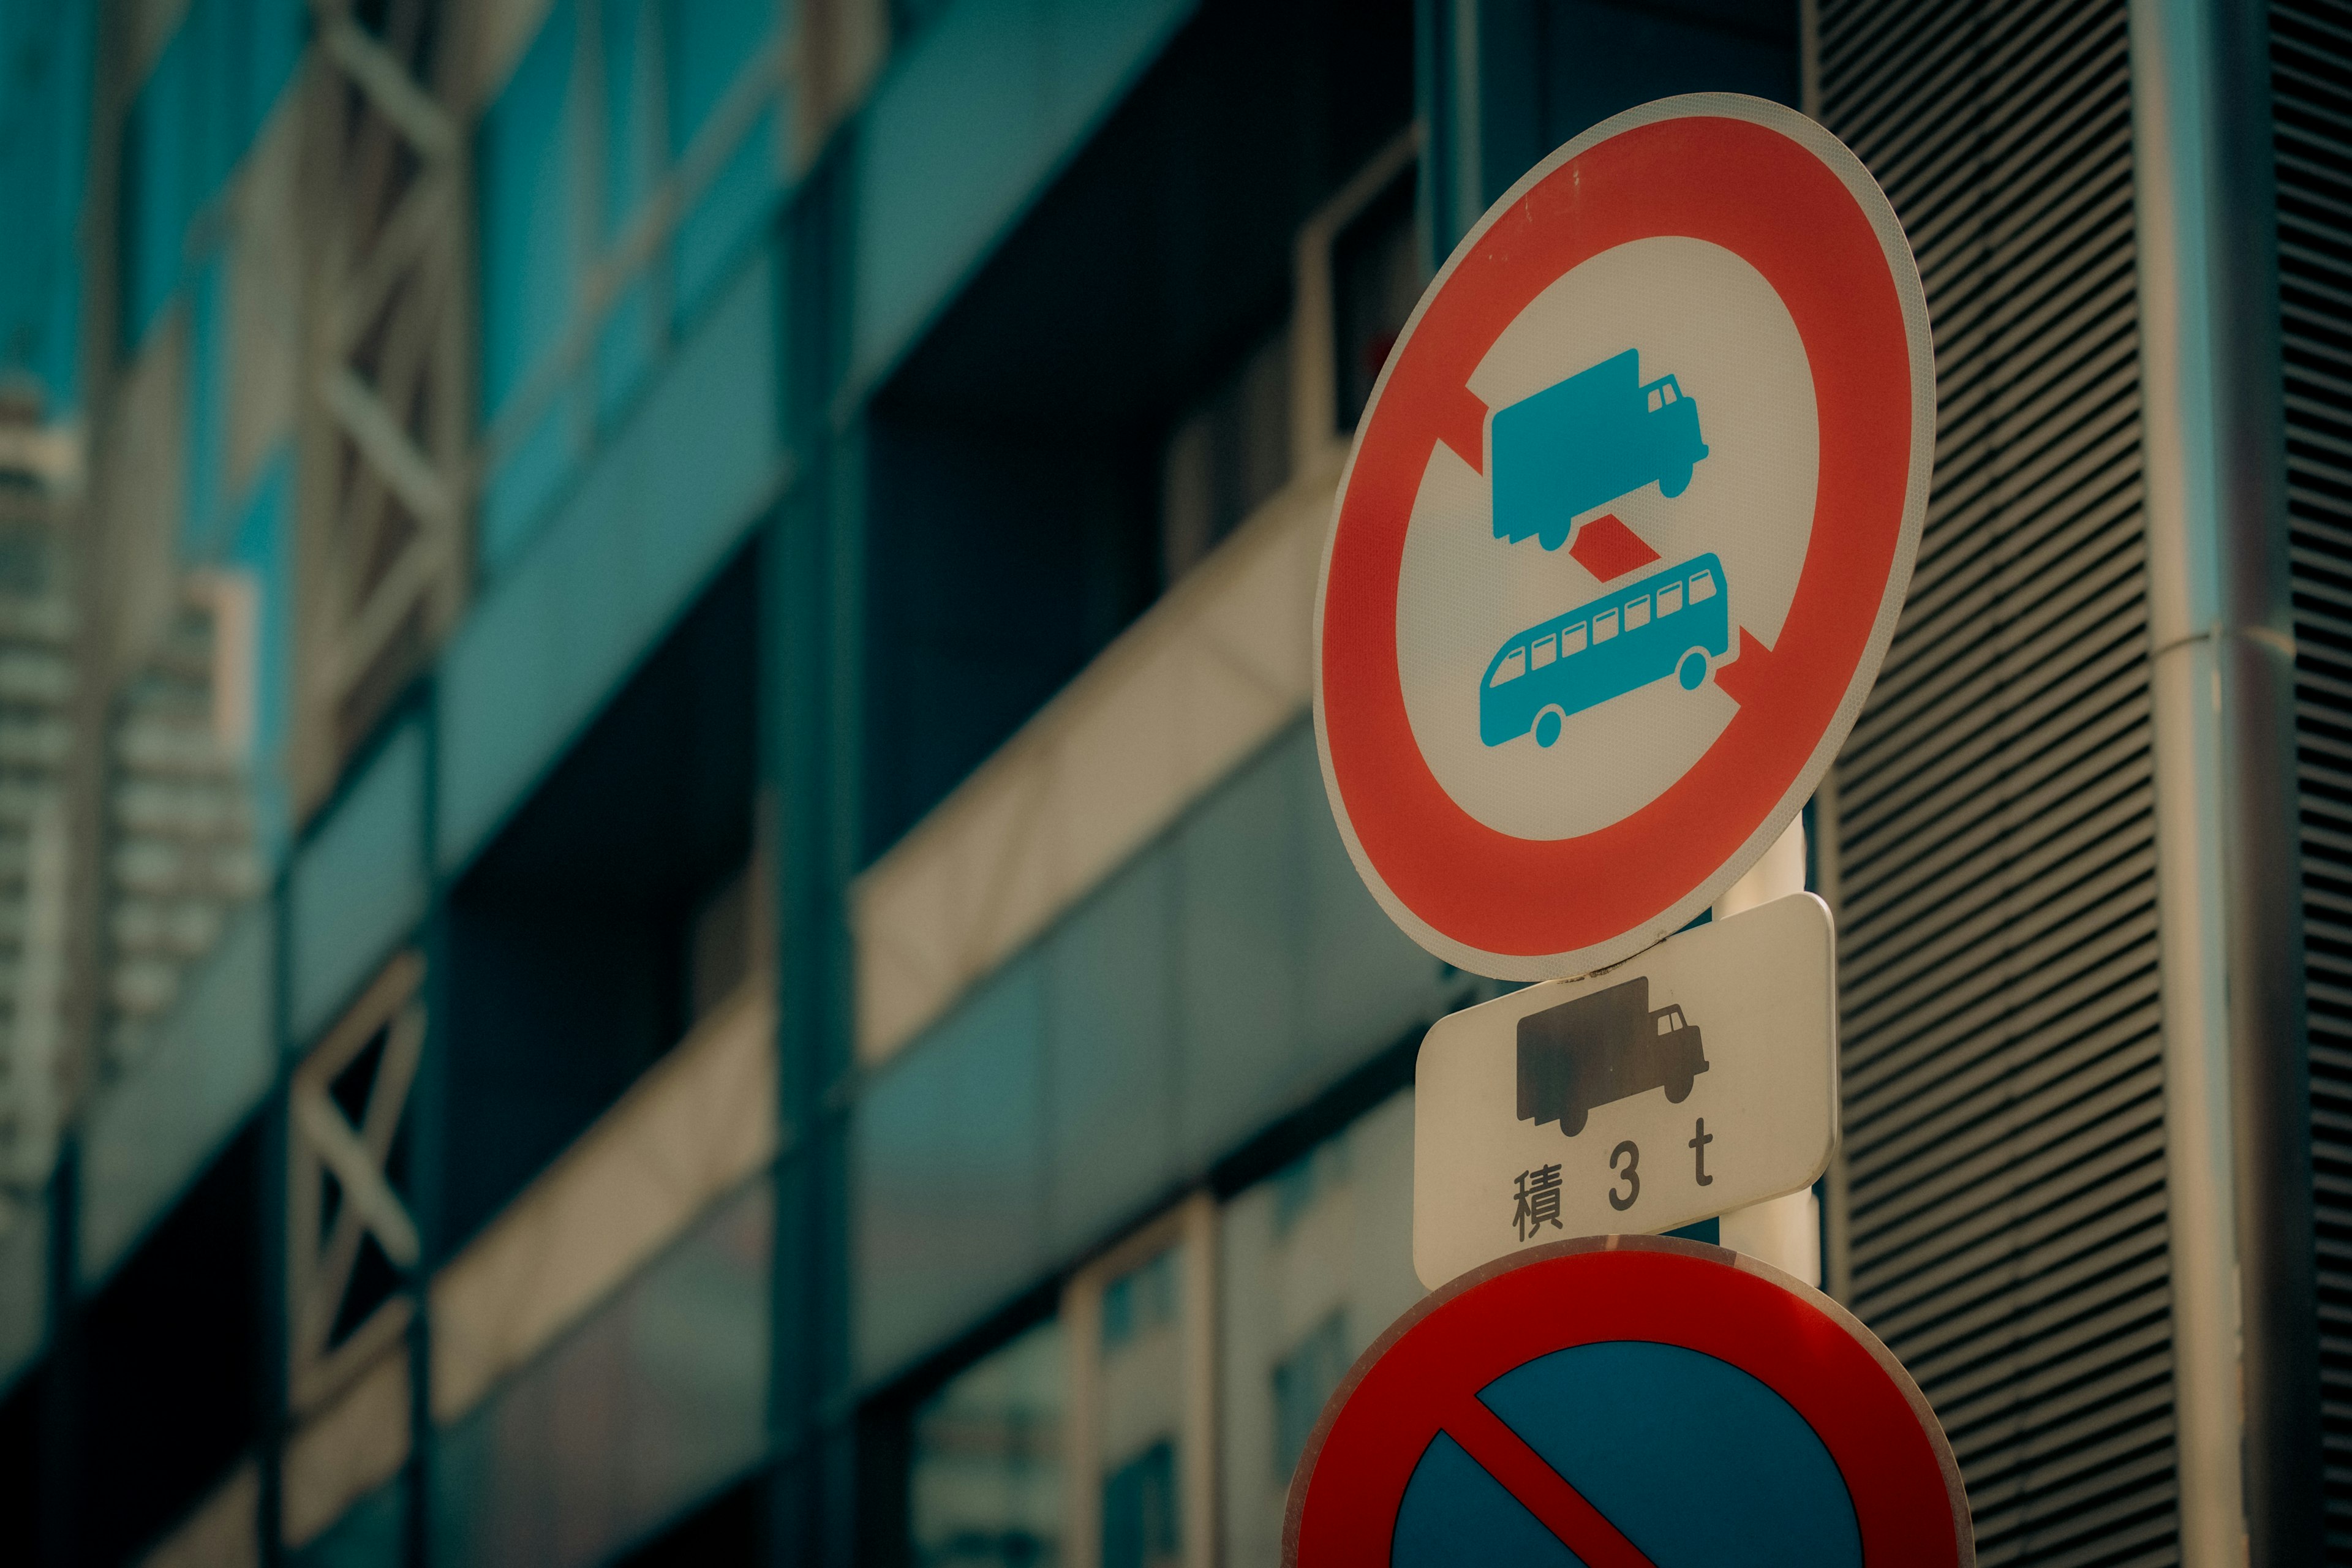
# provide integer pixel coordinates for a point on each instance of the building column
(2237, 1071)
(812, 747)
(1479, 82)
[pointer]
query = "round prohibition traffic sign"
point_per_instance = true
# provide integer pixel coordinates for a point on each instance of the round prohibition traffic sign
(1624, 536)
(1628, 1402)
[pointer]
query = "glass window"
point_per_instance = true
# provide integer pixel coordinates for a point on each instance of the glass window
(1571, 640)
(1140, 1303)
(1512, 666)
(1702, 586)
(1225, 457)
(908, 17)
(1139, 1510)
(1377, 273)
(1302, 1381)
(1637, 612)
(1604, 625)
(1543, 652)
(1139, 1441)
(1670, 598)
(1657, 399)
(1313, 1263)
(522, 181)
(984, 1486)
(1143, 1393)
(709, 43)
(656, 1399)
(159, 177)
(636, 136)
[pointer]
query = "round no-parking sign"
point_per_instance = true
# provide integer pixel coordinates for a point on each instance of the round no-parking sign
(1628, 1402)
(1624, 535)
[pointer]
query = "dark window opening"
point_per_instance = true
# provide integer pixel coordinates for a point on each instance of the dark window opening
(1139, 1510)
(1227, 454)
(171, 1360)
(608, 915)
(731, 1527)
(1377, 278)
(1108, 397)
(911, 18)
(1303, 1382)
(26, 1522)
(1602, 57)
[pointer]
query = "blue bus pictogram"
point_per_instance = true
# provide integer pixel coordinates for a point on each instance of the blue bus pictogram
(1673, 622)
(1583, 442)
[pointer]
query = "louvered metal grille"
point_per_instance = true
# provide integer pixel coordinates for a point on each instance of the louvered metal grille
(2311, 86)
(2003, 1092)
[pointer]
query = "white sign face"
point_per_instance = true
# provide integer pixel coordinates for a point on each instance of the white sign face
(1698, 1078)
(1708, 318)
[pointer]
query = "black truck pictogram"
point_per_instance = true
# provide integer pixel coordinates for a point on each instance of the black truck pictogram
(1604, 1046)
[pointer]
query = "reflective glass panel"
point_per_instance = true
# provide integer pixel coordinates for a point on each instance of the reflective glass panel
(985, 1487)
(1313, 1263)
(1143, 1373)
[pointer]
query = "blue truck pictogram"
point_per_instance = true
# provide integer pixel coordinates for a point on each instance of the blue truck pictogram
(1581, 444)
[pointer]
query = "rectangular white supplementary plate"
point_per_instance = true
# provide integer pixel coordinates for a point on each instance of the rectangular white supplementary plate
(1695, 1077)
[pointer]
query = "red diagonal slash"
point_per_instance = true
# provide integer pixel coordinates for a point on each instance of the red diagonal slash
(1745, 677)
(1558, 1507)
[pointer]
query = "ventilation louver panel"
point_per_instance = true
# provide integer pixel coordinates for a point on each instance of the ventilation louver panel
(2311, 89)
(1998, 955)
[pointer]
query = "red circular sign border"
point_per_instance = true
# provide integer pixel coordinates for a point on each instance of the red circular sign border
(1880, 1432)
(1777, 190)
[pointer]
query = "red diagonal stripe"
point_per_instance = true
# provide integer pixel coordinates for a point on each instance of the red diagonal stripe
(1461, 424)
(1608, 549)
(1745, 679)
(1558, 1507)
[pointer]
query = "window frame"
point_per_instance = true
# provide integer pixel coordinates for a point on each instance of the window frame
(1191, 1225)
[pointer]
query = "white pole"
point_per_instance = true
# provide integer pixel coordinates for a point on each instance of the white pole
(1785, 1232)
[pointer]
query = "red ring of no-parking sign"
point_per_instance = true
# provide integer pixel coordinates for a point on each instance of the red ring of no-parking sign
(1438, 1383)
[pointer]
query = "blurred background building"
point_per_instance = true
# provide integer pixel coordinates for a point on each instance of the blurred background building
(664, 894)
